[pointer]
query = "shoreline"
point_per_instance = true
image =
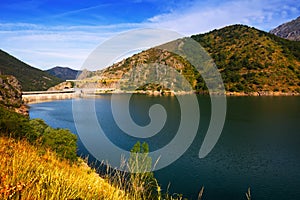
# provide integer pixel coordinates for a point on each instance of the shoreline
(262, 93)
(92, 95)
(32, 99)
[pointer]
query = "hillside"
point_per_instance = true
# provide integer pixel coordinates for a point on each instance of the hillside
(11, 94)
(10, 91)
(40, 162)
(29, 172)
(29, 77)
(250, 62)
(64, 73)
(289, 30)
(109, 76)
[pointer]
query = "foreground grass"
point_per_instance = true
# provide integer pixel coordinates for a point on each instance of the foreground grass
(26, 173)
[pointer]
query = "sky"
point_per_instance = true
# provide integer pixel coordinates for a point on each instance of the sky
(49, 33)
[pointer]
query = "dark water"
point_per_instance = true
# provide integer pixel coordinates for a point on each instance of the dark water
(259, 146)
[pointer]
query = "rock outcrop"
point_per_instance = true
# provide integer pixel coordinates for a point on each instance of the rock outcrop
(62, 86)
(11, 94)
(289, 30)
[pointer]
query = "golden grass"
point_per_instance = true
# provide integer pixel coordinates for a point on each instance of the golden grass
(28, 174)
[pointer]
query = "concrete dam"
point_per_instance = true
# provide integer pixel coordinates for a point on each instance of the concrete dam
(42, 96)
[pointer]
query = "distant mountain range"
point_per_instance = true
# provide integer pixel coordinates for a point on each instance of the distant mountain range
(64, 73)
(30, 78)
(248, 59)
(289, 30)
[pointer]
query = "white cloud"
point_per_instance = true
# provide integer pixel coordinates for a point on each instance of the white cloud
(46, 46)
(202, 18)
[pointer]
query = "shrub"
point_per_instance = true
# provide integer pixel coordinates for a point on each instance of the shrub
(36, 131)
(142, 178)
(62, 141)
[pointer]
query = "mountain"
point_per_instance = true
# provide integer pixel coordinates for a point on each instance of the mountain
(29, 77)
(64, 73)
(249, 60)
(289, 30)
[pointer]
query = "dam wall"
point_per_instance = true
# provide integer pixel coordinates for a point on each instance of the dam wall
(36, 98)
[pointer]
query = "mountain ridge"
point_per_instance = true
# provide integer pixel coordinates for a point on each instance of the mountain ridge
(30, 78)
(289, 30)
(250, 61)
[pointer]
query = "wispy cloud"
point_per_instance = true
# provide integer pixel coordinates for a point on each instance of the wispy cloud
(201, 17)
(45, 45)
(78, 11)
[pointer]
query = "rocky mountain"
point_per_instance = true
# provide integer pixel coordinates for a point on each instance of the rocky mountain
(30, 78)
(289, 30)
(64, 73)
(250, 61)
(11, 94)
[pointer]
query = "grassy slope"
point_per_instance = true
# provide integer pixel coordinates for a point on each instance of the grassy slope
(30, 77)
(26, 172)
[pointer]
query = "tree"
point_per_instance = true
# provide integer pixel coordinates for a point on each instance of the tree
(142, 178)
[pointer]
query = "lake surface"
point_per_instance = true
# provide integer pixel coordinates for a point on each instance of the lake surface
(258, 148)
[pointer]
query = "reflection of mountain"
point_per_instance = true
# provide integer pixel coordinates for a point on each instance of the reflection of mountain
(64, 73)
(29, 77)
(289, 30)
(248, 59)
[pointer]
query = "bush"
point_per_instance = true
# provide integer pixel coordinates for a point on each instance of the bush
(13, 124)
(141, 177)
(62, 141)
(36, 131)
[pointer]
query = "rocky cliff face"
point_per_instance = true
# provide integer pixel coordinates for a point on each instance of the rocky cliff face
(11, 94)
(289, 30)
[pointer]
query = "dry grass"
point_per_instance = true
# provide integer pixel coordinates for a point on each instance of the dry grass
(27, 174)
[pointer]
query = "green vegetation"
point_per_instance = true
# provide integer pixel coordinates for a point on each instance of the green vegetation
(252, 60)
(29, 77)
(35, 131)
(142, 178)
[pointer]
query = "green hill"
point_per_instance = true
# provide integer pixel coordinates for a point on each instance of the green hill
(249, 60)
(252, 60)
(29, 77)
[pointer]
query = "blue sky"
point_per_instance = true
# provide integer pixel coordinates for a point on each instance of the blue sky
(47, 33)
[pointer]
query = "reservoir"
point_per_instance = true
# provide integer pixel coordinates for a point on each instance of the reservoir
(259, 146)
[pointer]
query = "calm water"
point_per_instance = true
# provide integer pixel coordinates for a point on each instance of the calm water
(259, 146)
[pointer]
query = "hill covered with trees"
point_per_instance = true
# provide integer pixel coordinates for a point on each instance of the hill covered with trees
(30, 78)
(251, 62)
